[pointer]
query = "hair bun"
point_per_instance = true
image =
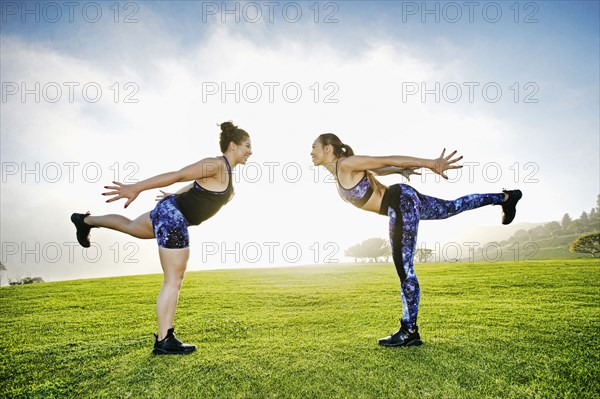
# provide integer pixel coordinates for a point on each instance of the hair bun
(227, 127)
(229, 133)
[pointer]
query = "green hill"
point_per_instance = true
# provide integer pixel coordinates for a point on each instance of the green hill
(493, 330)
(544, 249)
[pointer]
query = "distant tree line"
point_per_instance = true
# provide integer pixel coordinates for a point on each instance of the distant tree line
(586, 223)
(21, 281)
(2, 269)
(587, 226)
(26, 280)
(371, 250)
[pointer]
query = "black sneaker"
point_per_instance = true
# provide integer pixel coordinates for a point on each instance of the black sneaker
(402, 337)
(83, 230)
(171, 345)
(509, 207)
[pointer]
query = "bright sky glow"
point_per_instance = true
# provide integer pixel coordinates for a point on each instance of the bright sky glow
(97, 91)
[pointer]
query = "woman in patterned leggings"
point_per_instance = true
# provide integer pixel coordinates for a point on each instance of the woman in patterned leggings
(404, 206)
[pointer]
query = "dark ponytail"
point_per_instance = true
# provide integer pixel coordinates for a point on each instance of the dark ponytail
(229, 133)
(339, 149)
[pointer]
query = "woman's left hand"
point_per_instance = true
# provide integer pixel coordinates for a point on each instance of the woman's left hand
(162, 195)
(443, 163)
(406, 172)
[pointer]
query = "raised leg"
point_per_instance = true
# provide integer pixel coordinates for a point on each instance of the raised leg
(141, 227)
(434, 208)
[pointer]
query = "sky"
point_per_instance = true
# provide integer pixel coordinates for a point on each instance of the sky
(99, 91)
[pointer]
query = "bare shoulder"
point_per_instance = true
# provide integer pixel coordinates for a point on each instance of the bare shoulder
(356, 163)
(206, 168)
(215, 162)
(217, 159)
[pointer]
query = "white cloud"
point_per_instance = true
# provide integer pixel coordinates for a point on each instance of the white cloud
(174, 124)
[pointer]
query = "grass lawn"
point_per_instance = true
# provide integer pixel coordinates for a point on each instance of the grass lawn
(490, 330)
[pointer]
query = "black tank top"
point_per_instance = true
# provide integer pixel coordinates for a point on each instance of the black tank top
(199, 204)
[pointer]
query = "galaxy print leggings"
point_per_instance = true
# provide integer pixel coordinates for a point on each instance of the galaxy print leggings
(405, 207)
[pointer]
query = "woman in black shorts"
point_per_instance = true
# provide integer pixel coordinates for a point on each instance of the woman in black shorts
(168, 222)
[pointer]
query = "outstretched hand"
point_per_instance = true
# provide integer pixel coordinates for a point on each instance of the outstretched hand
(406, 172)
(443, 163)
(162, 195)
(121, 190)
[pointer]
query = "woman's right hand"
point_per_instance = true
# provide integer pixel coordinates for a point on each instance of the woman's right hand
(443, 163)
(127, 191)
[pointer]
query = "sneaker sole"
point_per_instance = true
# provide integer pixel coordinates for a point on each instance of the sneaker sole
(410, 343)
(517, 195)
(157, 351)
(84, 243)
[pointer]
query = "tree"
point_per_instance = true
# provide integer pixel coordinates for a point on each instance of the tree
(587, 244)
(594, 220)
(27, 280)
(2, 269)
(373, 249)
(386, 252)
(554, 229)
(577, 226)
(34, 280)
(566, 222)
(521, 235)
(423, 254)
(537, 233)
(354, 252)
(584, 218)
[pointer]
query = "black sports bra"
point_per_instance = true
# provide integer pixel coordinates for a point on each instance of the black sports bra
(199, 204)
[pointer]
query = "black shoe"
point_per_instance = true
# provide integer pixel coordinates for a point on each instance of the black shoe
(171, 345)
(402, 337)
(509, 207)
(83, 230)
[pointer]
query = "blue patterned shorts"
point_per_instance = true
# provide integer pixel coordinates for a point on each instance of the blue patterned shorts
(170, 226)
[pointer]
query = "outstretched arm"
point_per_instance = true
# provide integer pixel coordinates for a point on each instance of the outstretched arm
(389, 170)
(205, 168)
(439, 165)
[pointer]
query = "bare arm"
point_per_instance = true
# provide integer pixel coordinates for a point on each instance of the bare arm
(203, 169)
(389, 170)
(357, 163)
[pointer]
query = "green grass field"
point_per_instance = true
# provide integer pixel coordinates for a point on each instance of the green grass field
(490, 330)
